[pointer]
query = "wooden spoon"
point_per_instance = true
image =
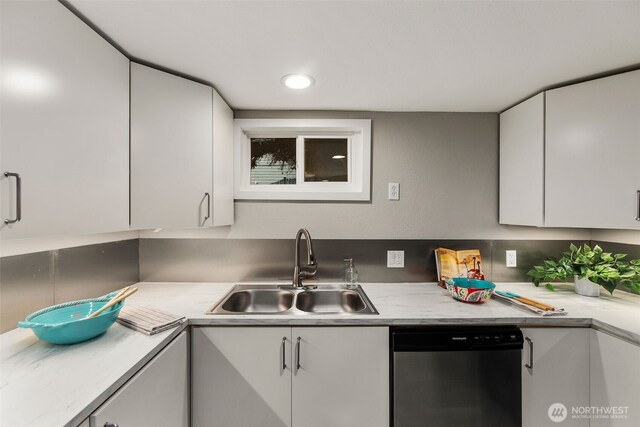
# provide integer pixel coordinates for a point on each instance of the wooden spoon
(124, 293)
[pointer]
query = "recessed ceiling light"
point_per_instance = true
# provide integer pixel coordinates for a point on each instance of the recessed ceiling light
(297, 81)
(338, 156)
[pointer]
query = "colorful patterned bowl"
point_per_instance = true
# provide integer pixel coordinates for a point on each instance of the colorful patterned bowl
(67, 323)
(469, 290)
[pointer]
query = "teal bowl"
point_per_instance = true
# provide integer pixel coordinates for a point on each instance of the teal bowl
(67, 323)
(469, 290)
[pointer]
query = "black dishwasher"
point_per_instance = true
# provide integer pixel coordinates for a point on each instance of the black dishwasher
(462, 376)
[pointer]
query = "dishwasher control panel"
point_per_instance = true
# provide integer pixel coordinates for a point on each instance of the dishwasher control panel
(455, 338)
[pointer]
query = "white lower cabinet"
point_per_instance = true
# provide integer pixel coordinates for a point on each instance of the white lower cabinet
(255, 376)
(555, 370)
(615, 382)
(158, 395)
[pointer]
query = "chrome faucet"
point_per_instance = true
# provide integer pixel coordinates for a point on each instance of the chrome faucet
(309, 270)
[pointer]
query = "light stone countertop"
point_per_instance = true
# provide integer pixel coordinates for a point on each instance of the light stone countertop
(48, 385)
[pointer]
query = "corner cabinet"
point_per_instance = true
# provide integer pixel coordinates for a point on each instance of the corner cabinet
(614, 381)
(291, 377)
(555, 369)
(569, 157)
(522, 163)
(158, 395)
(65, 125)
(180, 131)
(592, 154)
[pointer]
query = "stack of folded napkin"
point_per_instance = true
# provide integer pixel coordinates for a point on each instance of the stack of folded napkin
(148, 320)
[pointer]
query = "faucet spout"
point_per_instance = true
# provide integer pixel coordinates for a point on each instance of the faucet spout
(309, 270)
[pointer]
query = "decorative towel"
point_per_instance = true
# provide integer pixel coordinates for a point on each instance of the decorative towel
(148, 320)
(556, 312)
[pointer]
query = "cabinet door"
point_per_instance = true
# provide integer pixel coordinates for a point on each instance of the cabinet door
(222, 162)
(171, 150)
(592, 152)
(65, 124)
(559, 373)
(241, 377)
(158, 395)
(343, 377)
(614, 381)
(522, 163)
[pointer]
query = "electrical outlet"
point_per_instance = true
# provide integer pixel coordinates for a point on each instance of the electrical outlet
(512, 259)
(394, 191)
(395, 259)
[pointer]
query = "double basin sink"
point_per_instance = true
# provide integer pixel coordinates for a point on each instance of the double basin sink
(287, 300)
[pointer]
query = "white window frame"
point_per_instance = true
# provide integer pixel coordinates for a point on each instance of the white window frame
(357, 132)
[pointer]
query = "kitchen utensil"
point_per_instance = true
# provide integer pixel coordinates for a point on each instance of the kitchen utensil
(525, 300)
(120, 296)
(469, 290)
(67, 323)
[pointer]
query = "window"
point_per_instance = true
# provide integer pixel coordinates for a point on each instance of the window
(302, 159)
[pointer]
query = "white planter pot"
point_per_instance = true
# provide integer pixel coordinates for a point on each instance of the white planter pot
(586, 287)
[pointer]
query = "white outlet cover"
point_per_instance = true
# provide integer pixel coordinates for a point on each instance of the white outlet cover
(512, 259)
(394, 191)
(395, 259)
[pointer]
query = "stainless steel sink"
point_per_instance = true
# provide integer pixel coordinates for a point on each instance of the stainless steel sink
(274, 299)
(258, 301)
(330, 301)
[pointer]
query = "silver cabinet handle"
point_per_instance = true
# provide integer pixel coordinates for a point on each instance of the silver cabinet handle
(284, 350)
(18, 198)
(530, 364)
(638, 211)
(298, 354)
(208, 196)
(108, 424)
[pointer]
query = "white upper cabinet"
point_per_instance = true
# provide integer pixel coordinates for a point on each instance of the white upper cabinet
(593, 154)
(222, 162)
(65, 125)
(171, 150)
(181, 152)
(589, 136)
(522, 163)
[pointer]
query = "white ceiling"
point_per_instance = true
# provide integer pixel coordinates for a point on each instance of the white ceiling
(384, 55)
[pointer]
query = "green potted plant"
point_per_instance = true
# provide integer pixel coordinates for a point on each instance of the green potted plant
(590, 268)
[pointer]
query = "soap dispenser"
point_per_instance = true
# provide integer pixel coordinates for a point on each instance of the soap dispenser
(350, 275)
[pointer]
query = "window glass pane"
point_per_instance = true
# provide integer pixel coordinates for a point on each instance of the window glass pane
(273, 161)
(325, 159)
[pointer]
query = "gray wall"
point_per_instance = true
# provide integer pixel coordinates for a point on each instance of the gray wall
(33, 281)
(447, 167)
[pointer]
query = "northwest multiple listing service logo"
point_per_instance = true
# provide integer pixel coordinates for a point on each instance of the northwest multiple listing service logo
(557, 412)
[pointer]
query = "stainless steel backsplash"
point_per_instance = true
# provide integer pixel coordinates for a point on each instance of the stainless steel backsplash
(33, 281)
(230, 260)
